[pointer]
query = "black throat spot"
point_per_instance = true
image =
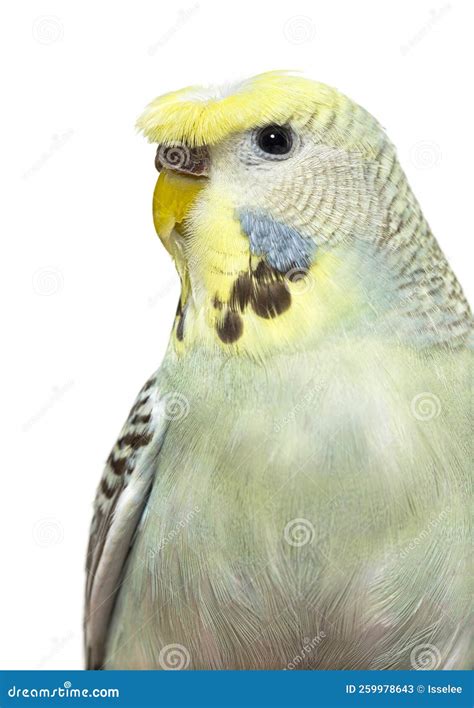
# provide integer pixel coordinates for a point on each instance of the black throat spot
(180, 315)
(231, 327)
(263, 289)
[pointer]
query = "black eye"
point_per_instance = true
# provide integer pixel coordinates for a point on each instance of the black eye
(275, 140)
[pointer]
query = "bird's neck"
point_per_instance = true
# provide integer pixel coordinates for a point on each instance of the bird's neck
(396, 284)
(257, 312)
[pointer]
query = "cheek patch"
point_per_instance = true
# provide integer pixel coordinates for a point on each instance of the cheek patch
(282, 246)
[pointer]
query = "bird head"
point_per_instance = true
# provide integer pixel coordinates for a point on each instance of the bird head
(286, 212)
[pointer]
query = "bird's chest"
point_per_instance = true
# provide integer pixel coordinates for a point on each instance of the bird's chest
(250, 463)
(256, 498)
(275, 507)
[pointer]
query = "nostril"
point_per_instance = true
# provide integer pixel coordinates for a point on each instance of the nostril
(184, 159)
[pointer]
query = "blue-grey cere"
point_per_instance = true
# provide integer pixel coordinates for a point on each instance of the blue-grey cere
(282, 246)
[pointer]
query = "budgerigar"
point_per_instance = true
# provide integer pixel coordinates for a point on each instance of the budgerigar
(290, 489)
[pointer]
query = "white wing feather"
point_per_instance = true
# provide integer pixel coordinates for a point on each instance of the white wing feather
(120, 501)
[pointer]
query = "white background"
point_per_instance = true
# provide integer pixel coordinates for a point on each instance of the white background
(89, 294)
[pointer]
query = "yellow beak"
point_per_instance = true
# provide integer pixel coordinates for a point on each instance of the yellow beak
(172, 199)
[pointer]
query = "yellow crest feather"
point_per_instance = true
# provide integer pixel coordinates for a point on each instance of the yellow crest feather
(199, 116)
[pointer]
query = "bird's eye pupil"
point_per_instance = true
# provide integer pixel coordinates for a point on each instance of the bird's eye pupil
(274, 140)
